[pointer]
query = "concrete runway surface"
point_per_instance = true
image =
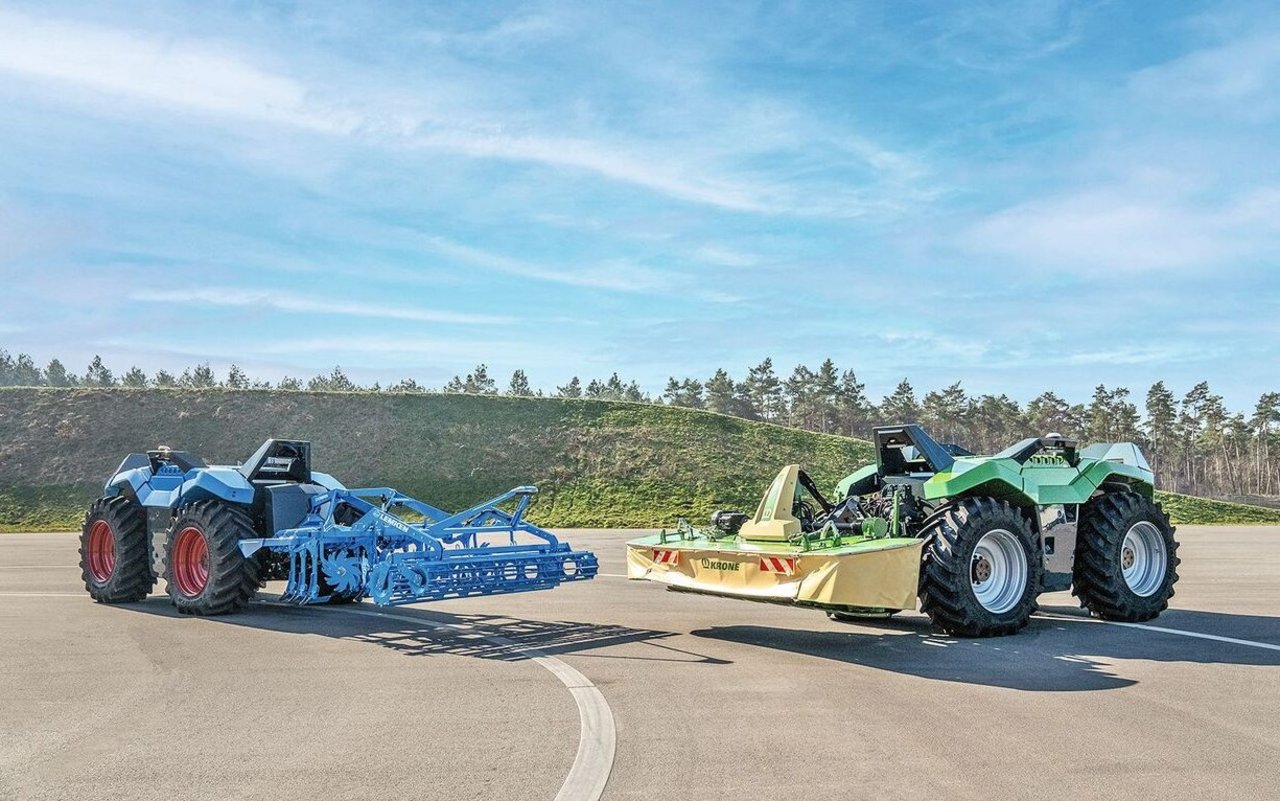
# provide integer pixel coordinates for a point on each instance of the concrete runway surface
(696, 697)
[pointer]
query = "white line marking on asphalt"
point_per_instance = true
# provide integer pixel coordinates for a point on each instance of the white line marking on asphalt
(597, 736)
(612, 575)
(1162, 630)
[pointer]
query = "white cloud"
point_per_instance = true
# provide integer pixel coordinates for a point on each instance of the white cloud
(725, 257)
(373, 349)
(281, 301)
(607, 161)
(1153, 354)
(1130, 228)
(1238, 76)
(175, 73)
(101, 66)
(621, 277)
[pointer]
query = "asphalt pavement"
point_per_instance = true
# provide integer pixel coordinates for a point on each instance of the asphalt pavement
(709, 698)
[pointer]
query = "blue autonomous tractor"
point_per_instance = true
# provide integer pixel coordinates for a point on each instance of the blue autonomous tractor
(217, 533)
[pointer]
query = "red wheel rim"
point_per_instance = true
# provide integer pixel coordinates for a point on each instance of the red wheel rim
(101, 556)
(191, 562)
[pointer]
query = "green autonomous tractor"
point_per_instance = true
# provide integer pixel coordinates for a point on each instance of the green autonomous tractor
(975, 538)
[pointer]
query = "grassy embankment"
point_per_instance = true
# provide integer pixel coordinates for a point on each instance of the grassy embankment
(597, 463)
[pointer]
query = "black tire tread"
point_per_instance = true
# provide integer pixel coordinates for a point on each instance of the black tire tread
(233, 579)
(134, 576)
(946, 594)
(1098, 580)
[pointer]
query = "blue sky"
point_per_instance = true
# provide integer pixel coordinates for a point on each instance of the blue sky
(1021, 196)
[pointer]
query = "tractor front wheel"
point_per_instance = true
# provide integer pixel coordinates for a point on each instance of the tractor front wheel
(115, 552)
(204, 568)
(1126, 558)
(980, 569)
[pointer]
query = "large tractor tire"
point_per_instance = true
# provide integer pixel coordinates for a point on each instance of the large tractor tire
(205, 570)
(115, 552)
(1126, 558)
(980, 569)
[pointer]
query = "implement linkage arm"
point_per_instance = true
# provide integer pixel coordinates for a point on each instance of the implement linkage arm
(349, 546)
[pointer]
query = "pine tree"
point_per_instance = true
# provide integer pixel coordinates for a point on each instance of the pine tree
(335, 381)
(290, 384)
(519, 385)
(720, 393)
(946, 413)
(826, 396)
(479, 382)
(236, 378)
(691, 394)
(25, 372)
(134, 378)
(798, 392)
(1050, 414)
(1264, 424)
(1162, 415)
(573, 389)
(764, 391)
(901, 406)
(671, 394)
(198, 377)
(996, 423)
(854, 410)
(614, 389)
(98, 375)
(56, 374)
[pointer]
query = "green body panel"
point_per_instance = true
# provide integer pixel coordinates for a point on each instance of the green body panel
(1041, 480)
(860, 482)
(997, 478)
(1034, 483)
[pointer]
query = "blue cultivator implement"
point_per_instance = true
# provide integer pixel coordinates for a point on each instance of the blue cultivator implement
(393, 561)
(222, 531)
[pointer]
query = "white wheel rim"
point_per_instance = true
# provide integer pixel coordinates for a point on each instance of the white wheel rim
(998, 571)
(1143, 559)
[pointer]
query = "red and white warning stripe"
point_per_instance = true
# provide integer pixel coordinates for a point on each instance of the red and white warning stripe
(662, 556)
(778, 564)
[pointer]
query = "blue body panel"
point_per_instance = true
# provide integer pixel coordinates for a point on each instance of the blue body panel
(169, 487)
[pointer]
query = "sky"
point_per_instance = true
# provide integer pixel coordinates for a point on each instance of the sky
(1019, 196)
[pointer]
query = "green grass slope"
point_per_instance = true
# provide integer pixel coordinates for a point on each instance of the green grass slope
(596, 463)
(1189, 509)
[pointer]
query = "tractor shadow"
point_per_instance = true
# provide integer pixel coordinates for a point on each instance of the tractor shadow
(416, 632)
(1061, 650)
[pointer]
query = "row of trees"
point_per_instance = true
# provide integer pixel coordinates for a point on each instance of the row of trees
(1195, 444)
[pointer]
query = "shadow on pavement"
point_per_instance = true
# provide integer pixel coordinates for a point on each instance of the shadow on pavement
(481, 636)
(1050, 655)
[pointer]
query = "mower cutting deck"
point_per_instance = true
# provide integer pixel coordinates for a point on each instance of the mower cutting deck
(222, 531)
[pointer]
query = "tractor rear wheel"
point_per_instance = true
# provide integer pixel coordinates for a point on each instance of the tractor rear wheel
(980, 569)
(206, 572)
(1126, 558)
(115, 552)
